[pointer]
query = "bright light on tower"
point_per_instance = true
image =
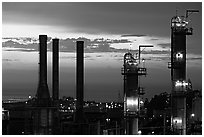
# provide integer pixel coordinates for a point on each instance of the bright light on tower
(193, 115)
(177, 120)
(179, 55)
(132, 103)
(181, 83)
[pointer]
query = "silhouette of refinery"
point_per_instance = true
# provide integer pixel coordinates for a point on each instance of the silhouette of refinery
(178, 112)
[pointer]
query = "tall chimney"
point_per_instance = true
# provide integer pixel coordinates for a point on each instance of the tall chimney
(55, 85)
(43, 92)
(80, 81)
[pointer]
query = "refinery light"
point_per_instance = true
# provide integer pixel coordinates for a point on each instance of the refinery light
(177, 120)
(179, 55)
(132, 103)
(181, 83)
(139, 132)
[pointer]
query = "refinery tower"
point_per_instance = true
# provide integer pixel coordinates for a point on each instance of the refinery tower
(179, 31)
(132, 70)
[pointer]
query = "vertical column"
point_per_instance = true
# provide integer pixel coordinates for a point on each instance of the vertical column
(178, 75)
(43, 58)
(55, 85)
(43, 91)
(41, 117)
(80, 81)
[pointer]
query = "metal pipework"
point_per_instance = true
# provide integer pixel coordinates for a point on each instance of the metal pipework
(140, 46)
(191, 11)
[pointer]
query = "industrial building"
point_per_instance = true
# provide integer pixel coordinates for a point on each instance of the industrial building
(47, 114)
(179, 31)
(131, 70)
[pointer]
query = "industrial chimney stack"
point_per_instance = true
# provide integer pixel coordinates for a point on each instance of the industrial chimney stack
(43, 95)
(80, 82)
(42, 108)
(55, 78)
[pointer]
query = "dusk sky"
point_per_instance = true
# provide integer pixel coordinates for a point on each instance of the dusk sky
(142, 23)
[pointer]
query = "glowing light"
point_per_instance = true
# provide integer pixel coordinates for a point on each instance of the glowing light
(132, 101)
(135, 63)
(181, 83)
(139, 132)
(178, 24)
(193, 115)
(179, 55)
(141, 102)
(107, 119)
(177, 120)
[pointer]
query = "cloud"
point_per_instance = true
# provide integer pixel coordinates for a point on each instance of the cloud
(9, 60)
(65, 45)
(154, 39)
(156, 52)
(133, 35)
(87, 57)
(164, 45)
(99, 56)
(68, 57)
(195, 58)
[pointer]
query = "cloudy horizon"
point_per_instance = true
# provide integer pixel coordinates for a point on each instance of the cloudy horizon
(106, 28)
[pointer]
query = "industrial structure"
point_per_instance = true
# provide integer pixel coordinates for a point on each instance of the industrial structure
(55, 86)
(79, 82)
(179, 31)
(45, 115)
(42, 108)
(55, 74)
(131, 70)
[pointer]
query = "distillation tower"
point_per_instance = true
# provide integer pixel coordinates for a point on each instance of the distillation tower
(179, 31)
(131, 70)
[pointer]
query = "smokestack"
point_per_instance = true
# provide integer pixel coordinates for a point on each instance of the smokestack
(43, 91)
(80, 81)
(55, 88)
